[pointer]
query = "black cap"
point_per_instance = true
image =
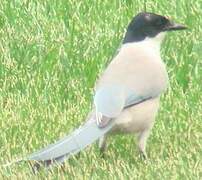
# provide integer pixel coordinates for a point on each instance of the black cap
(149, 25)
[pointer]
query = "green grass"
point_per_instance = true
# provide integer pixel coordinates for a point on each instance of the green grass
(51, 53)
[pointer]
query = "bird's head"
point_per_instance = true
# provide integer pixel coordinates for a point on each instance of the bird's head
(149, 25)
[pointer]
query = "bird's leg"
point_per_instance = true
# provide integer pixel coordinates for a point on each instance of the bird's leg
(103, 145)
(142, 140)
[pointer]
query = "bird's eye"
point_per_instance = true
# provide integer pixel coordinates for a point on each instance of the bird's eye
(160, 22)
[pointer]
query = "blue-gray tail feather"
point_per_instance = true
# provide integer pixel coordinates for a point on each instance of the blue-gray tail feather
(78, 140)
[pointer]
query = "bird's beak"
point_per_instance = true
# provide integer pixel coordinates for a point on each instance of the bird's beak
(172, 26)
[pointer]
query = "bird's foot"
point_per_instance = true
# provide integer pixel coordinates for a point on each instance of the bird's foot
(143, 155)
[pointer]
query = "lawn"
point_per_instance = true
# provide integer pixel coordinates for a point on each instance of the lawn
(52, 51)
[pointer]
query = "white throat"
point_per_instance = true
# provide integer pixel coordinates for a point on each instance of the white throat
(152, 44)
(156, 41)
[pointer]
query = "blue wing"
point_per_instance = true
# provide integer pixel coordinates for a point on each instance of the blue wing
(112, 99)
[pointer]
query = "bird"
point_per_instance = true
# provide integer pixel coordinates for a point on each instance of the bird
(127, 93)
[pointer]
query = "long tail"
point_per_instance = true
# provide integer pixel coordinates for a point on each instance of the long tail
(73, 143)
(56, 153)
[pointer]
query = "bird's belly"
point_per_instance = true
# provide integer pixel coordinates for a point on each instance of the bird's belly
(137, 118)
